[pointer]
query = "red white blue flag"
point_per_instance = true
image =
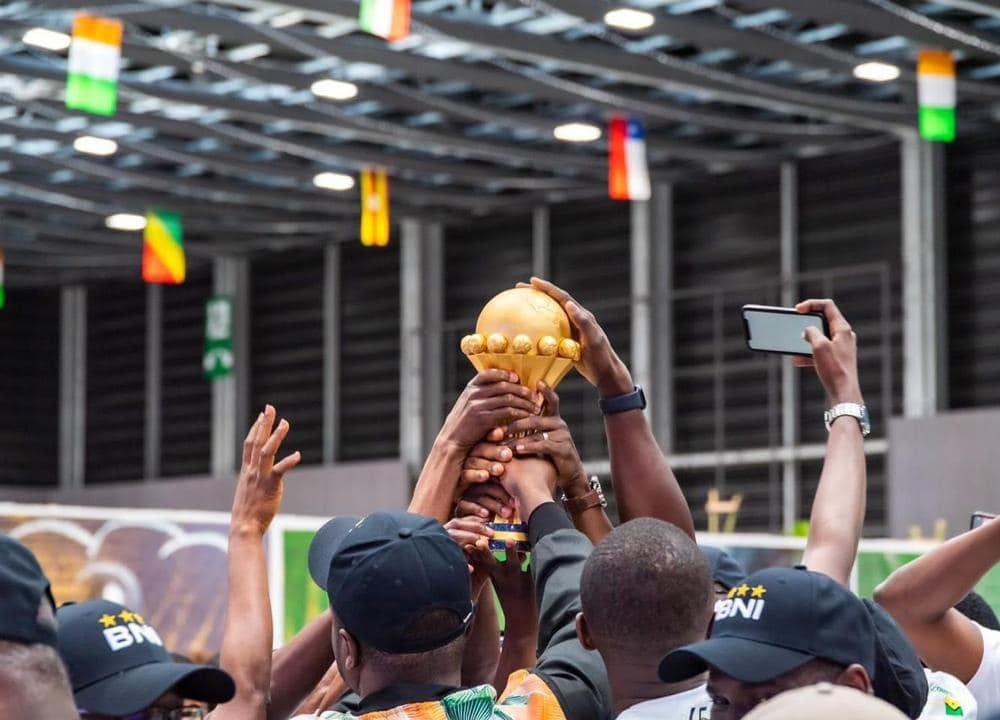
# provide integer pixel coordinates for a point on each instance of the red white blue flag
(628, 174)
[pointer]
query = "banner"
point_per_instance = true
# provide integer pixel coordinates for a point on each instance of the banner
(163, 248)
(94, 56)
(218, 360)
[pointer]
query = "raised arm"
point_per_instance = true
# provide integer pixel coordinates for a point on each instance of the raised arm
(248, 635)
(491, 399)
(301, 665)
(838, 509)
(922, 594)
(645, 485)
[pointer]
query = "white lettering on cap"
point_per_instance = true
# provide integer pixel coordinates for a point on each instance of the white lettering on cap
(749, 609)
(123, 636)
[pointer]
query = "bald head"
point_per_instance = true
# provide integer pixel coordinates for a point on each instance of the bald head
(646, 589)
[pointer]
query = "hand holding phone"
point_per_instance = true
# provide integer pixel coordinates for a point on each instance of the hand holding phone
(780, 330)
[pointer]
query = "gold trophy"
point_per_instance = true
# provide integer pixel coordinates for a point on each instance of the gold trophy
(524, 331)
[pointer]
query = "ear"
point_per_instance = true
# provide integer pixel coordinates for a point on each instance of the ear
(583, 632)
(856, 677)
(349, 651)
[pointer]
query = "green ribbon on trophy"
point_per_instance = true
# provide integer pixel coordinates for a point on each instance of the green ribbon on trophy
(218, 359)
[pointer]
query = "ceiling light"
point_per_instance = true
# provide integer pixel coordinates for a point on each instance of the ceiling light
(876, 72)
(577, 132)
(334, 89)
(125, 221)
(333, 181)
(287, 19)
(246, 53)
(629, 19)
(47, 39)
(94, 145)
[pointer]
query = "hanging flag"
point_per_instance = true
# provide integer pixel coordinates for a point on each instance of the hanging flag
(628, 174)
(218, 360)
(936, 94)
(163, 248)
(389, 19)
(3, 298)
(374, 208)
(94, 56)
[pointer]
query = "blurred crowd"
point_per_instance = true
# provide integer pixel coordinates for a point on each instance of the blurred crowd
(506, 530)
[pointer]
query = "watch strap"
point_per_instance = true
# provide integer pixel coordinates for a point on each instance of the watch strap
(635, 400)
(582, 503)
(848, 409)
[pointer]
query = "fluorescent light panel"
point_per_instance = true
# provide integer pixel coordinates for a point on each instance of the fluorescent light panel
(334, 89)
(577, 132)
(46, 39)
(125, 221)
(628, 19)
(876, 72)
(95, 145)
(333, 181)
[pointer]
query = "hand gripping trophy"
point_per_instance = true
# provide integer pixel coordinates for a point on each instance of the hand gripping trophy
(524, 331)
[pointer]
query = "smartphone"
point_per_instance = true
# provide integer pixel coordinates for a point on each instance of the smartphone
(978, 518)
(779, 330)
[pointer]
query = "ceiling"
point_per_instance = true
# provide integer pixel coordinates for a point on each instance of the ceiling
(216, 119)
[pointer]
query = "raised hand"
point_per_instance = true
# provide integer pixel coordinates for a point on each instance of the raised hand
(835, 358)
(260, 486)
(492, 398)
(599, 362)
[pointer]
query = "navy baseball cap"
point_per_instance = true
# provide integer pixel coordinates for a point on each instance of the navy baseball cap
(385, 572)
(118, 665)
(725, 569)
(27, 610)
(776, 621)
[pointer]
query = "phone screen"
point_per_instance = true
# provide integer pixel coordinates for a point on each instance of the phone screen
(978, 518)
(776, 330)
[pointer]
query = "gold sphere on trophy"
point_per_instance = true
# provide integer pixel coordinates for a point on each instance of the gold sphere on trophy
(527, 332)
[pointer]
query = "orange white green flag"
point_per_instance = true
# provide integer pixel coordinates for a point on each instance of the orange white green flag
(374, 208)
(936, 94)
(389, 19)
(94, 56)
(163, 248)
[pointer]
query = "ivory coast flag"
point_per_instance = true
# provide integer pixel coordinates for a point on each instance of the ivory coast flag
(936, 95)
(374, 208)
(94, 55)
(163, 248)
(389, 19)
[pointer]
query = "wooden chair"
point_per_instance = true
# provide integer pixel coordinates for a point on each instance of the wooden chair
(715, 507)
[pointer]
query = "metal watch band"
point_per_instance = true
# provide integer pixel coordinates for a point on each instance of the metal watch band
(855, 410)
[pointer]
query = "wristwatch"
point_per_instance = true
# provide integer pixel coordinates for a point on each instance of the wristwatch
(855, 410)
(635, 400)
(592, 499)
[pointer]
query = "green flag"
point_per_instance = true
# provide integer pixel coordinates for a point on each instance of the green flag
(218, 360)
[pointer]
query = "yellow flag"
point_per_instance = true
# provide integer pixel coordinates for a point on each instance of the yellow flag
(374, 208)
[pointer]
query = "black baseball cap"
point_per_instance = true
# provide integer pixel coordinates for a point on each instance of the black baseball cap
(387, 571)
(118, 666)
(725, 569)
(27, 610)
(776, 621)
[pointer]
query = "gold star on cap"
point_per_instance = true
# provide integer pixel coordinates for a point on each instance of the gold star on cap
(731, 594)
(126, 616)
(108, 621)
(742, 590)
(758, 591)
(139, 619)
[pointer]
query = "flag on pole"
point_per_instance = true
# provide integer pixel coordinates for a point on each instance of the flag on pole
(374, 208)
(94, 56)
(936, 94)
(163, 248)
(3, 298)
(389, 19)
(628, 174)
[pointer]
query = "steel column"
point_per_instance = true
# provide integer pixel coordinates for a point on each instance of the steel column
(152, 432)
(331, 352)
(72, 386)
(789, 376)
(230, 395)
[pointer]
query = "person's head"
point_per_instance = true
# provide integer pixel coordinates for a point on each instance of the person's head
(975, 607)
(645, 590)
(33, 681)
(118, 665)
(825, 702)
(401, 597)
(726, 571)
(780, 629)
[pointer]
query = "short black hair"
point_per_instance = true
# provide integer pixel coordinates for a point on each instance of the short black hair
(975, 607)
(646, 589)
(434, 624)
